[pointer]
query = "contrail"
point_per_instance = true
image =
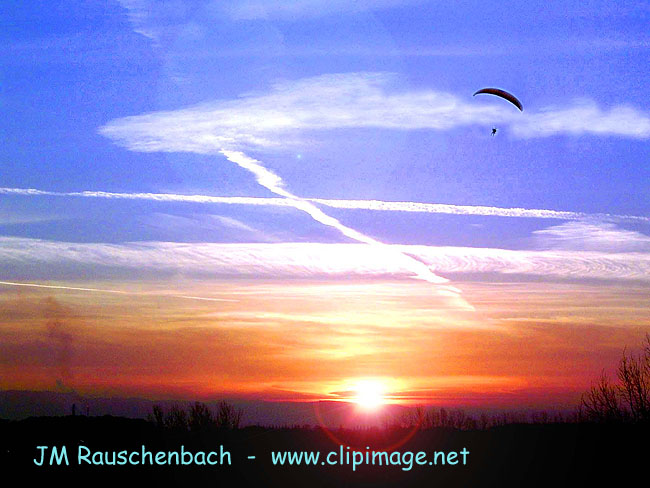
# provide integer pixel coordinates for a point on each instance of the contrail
(274, 183)
(103, 290)
(373, 205)
(157, 197)
(440, 208)
(60, 287)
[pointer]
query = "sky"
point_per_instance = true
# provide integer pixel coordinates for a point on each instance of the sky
(283, 200)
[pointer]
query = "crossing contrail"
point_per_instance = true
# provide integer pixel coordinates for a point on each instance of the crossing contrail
(274, 183)
(372, 205)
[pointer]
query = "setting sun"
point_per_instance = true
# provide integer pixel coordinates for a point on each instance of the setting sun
(370, 394)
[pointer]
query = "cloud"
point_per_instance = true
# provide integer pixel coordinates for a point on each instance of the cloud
(203, 225)
(333, 101)
(149, 17)
(592, 236)
(561, 264)
(12, 217)
(585, 117)
(304, 9)
(372, 205)
(279, 117)
(316, 261)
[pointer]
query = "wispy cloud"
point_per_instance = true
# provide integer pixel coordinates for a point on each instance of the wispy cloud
(149, 16)
(586, 117)
(562, 264)
(205, 224)
(373, 205)
(592, 236)
(30, 257)
(14, 216)
(304, 9)
(352, 100)
(331, 101)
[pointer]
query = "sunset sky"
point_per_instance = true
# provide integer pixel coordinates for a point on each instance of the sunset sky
(283, 200)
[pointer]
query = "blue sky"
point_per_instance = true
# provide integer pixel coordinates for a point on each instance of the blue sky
(338, 100)
(71, 69)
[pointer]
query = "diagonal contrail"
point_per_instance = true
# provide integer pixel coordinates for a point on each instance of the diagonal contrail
(274, 183)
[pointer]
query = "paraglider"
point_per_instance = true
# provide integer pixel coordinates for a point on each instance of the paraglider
(502, 94)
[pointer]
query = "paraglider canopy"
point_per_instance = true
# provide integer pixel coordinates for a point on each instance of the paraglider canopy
(503, 94)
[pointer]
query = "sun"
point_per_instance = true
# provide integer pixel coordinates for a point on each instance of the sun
(369, 394)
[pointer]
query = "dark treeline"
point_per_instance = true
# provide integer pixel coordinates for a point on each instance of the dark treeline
(432, 418)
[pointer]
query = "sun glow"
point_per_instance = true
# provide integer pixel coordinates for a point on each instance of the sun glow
(370, 394)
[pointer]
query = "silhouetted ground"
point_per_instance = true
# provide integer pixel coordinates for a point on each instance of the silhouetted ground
(512, 455)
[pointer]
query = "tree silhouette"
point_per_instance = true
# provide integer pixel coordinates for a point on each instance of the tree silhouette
(228, 417)
(198, 417)
(158, 416)
(627, 400)
(176, 419)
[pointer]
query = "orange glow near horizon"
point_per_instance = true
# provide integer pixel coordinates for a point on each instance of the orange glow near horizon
(523, 345)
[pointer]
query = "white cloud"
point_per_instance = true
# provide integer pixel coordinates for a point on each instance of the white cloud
(13, 217)
(300, 9)
(311, 260)
(351, 100)
(585, 117)
(333, 101)
(205, 226)
(592, 236)
(270, 260)
(149, 17)
(563, 264)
